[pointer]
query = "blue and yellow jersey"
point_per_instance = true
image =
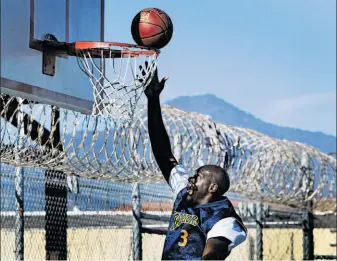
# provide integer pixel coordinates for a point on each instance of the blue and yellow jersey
(191, 227)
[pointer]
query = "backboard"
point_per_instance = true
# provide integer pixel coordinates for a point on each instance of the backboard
(22, 21)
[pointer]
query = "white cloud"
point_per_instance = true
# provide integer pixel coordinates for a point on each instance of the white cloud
(312, 111)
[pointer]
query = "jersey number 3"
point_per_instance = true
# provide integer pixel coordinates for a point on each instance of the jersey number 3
(184, 235)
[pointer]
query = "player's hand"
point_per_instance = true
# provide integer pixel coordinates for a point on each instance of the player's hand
(154, 87)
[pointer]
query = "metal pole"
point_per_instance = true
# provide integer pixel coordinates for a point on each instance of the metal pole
(308, 218)
(19, 220)
(292, 246)
(56, 201)
(19, 191)
(251, 248)
(308, 235)
(56, 215)
(136, 224)
(259, 231)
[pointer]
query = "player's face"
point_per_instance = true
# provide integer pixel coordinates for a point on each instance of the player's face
(198, 186)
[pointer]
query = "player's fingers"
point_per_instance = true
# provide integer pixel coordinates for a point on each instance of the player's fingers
(139, 78)
(162, 82)
(155, 74)
(143, 70)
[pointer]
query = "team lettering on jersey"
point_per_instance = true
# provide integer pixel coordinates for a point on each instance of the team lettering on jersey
(181, 218)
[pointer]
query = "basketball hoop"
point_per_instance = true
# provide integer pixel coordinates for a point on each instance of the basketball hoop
(117, 84)
(113, 70)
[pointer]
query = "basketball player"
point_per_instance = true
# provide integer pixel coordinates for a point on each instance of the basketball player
(203, 224)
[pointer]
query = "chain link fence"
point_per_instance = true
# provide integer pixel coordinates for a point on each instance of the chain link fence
(32, 220)
(69, 186)
(68, 217)
(325, 238)
(65, 217)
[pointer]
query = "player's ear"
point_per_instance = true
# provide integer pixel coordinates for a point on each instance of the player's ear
(213, 188)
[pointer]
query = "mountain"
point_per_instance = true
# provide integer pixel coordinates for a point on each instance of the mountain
(223, 112)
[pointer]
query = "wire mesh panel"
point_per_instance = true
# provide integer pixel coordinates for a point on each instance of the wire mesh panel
(282, 243)
(97, 217)
(34, 204)
(282, 237)
(7, 234)
(325, 237)
(99, 221)
(156, 206)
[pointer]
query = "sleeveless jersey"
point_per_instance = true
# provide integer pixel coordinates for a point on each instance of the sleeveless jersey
(191, 227)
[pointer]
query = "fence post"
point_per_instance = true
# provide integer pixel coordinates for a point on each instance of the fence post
(308, 236)
(56, 215)
(292, 246)
(307, 217)
(259, 231)
(19, 190)
(136, 224)
(251, 254)
(56, 201)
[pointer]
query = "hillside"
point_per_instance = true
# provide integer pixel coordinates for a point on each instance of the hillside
(224, 112)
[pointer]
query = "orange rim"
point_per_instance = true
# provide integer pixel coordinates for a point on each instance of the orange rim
(97, 46)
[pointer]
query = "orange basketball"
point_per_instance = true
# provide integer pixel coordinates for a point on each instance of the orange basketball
(152, 27)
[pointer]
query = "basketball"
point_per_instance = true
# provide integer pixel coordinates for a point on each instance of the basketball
(152, 27)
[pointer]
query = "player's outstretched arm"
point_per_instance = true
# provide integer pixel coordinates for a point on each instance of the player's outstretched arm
(160, 141)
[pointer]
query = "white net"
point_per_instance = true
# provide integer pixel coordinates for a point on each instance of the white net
(116, 78)
(281, 171)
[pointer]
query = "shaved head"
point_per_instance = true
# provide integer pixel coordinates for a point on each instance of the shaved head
(220, 177)
(209, 183)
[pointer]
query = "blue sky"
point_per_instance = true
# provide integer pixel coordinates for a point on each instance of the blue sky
(274, 59)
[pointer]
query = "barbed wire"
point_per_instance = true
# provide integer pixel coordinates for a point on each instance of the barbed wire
(260, 167)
